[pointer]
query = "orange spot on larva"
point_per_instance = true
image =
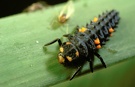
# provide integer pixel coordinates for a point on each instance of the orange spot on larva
(69, 58)
(111, 30)
(77, 53)
(61, 49)
(61, 59)
(68, 43)
(98, 46)
(97, 41)
(83, 29)
(95, 19)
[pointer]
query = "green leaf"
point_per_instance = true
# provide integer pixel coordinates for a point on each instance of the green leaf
(25, 63)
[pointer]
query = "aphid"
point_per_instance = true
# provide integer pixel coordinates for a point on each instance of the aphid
(84, 44)
(64, 15)
(66, 12)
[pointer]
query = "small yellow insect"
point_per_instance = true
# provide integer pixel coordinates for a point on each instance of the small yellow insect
(66, 12)
(62, 16)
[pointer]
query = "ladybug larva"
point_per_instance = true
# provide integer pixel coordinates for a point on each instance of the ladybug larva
(83, 45)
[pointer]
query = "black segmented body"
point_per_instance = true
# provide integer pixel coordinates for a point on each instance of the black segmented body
(84, 44)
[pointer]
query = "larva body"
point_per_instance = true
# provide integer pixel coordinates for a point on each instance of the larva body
(83, 45)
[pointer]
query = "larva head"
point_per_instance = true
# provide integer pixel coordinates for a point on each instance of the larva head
(68, 53)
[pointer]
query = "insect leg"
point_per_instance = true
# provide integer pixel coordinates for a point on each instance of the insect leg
(79, 69)
(69, 36)
(59, 42)
(91, 65)
(101, 59)
(90, 59)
